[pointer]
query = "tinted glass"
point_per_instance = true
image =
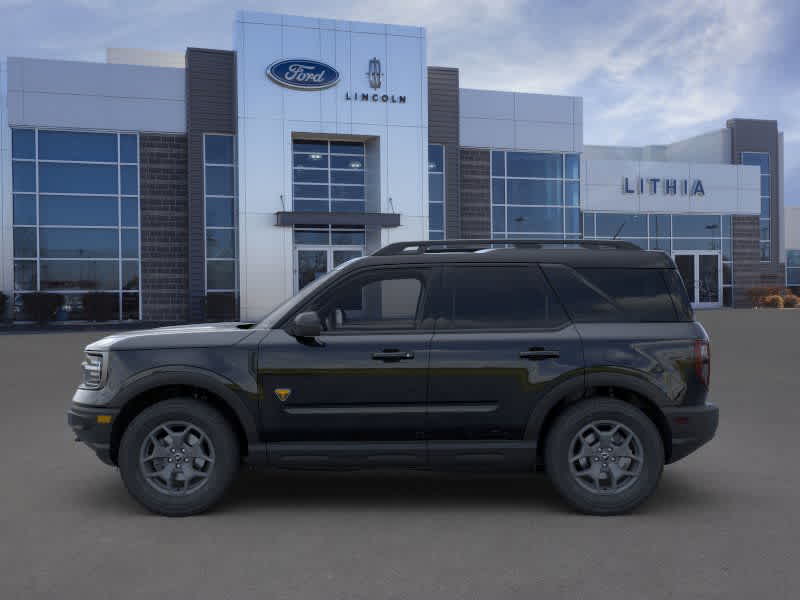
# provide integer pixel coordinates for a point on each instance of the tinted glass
(128, 151)
(533, 219)
(79, 275)
(572, 193)
(436, 187)
(317, 161)
(726, 225)
(219, 149)
(531, 191)
(24, 209)
(221, 274)
(642, 294)
(793, 258)
(351, 176)
(23, 144)
(573, 166)
(588, 224)
(436, 216)
(498, 191)
(130, 307)
(498, 163)
(435, 158)
(759, 159)
(499, 297)
(498, 218)
(23, 176)
(219, 212)
(344, 162)
(347, 206)
(78, 243)
(765, 185)
(373, 303)
(310, 146)
(130, 212)
(348, 238)
(347, 192)
(130, 243)
(663, 244)
(572, 220)
(696, 225)
(311, 237)
(74, 145)
(130, 275)
(24, 275)
(310, 191)
(660, 226)
(680, 299)
(311, 175)
(129, 184)
(311, 205)
(77, 179)
(77, 210)
(25, 242)
(347, 148)
(220, 243)
(695, 244)
(529, 164)
(219, 181)
(621, 225)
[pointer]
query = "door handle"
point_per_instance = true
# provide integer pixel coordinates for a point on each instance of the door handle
(392, 355)
(539, 354)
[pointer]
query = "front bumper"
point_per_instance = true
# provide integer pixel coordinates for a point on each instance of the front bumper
(94, 432)
(692, 426)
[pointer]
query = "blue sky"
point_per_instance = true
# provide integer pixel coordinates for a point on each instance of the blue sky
(649, 72)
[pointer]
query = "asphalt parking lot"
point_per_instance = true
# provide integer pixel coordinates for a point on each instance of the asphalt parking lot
(725, 523)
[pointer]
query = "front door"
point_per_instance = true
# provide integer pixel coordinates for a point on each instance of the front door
(365, 378)
(702, 274)
(502, 342)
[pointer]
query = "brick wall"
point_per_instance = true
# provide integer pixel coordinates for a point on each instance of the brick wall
(165, 227)
(476, 218)
(748, 271)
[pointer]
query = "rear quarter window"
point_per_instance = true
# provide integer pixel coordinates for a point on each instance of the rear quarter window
(614, 294)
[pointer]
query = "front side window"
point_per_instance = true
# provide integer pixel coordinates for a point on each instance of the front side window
(372, 302)
(498, 297)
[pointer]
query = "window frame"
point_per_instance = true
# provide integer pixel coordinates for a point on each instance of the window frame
(234, 227)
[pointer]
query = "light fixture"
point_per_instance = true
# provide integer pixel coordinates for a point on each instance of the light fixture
(355, 164)
(316, 156)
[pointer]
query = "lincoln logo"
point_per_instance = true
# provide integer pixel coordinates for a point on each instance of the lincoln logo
(374, 74)
(301, 74)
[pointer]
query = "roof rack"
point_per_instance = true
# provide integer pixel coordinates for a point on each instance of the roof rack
(425, 246)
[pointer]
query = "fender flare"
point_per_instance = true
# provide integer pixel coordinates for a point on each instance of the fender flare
(222, 387)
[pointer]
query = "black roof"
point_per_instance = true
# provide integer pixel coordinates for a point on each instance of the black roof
(575, 253)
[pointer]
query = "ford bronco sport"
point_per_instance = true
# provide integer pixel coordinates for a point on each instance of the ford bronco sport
(582, 358)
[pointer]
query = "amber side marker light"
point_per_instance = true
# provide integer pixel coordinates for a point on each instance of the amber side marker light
(104, 419)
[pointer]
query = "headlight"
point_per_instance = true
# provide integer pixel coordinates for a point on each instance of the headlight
(94, 368)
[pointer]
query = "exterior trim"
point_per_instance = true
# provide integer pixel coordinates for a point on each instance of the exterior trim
(289, 218)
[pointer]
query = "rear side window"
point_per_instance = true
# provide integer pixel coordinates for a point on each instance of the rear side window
(613, 294)
(679, 296)
(498, 297)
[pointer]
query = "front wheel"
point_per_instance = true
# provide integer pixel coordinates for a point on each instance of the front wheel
(178, 457)
(604, 456)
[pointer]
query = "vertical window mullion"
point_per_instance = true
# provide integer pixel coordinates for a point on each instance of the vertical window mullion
(119, 230)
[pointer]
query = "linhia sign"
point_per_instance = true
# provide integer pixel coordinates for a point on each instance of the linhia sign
(302, 74)
(667, 186)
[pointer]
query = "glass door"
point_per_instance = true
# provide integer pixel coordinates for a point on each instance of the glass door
(702, 275)
(312, 262)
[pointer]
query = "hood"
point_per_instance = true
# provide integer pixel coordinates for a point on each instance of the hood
(206, 335)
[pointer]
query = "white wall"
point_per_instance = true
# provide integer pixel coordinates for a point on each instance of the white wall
(729, 189)
(83, 95)
(147, 58)
(491, 119)
(270, 114)
(712, 147)
(791, 228)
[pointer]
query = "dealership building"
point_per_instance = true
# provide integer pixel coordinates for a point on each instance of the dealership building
(214, 183)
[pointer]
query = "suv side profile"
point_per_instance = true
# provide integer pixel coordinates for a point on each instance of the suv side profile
(580, 358)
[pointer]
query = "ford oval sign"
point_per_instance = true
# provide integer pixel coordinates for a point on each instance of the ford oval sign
(303, 74)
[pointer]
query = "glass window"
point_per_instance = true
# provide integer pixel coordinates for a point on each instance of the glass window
(763, 227)
(25, 275)
(588, 225)
(219, 181)
(573, 166)
(498, 163)
(347, 206)
(499, 297)
(130, 243)
(436, 187)
(347, 148)
(24, 209)
(221, 275)
(310, 191)
(530, 164)
(572, 220)
(23, 143)
(310, 146)
(498, 219)
(348, 238)
(759, 159)
(660, 226)
(219, 149)
(128, 148)
(130, 212)
(435, 158)
(498, 191)
(219, 212)
(696, 225)
(535, 219)
(621, 225)
(23, 176)
(727, 249)
(765, 250)
(311, 205)
(351, 177)
(130, 307)
(696, 244)
(765, 207)
(311, 175)
(129, 176)
(765, 191)
(66, 178)
(663, 244)
(312, 237)
(25, 242)
(793, 258)
(531, 191)
(436, 217)
(77, 210)
(79, 275)
(345, 162)
(318, 161)
(220, 243)
(77, 146)
(727, 225)
(572, 193)
(374, 302)
(57, 242)
(347, 192)
(130, 275)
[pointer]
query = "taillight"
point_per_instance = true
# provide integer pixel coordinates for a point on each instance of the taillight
(702, 361)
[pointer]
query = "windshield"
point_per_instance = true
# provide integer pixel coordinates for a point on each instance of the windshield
(288, 305)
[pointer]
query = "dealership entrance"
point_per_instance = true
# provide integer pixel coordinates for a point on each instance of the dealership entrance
(702, 274)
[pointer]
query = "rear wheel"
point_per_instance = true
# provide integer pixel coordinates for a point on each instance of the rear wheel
(178, 457)
(604, 456)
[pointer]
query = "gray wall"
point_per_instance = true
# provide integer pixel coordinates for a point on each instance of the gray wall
(164, 227)
(476, 219)
(746, 265)
(443, 128)
(210, 108)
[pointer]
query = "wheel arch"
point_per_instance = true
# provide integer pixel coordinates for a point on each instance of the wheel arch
(149, 388)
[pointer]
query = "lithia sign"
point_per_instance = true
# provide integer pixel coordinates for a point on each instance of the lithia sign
(667, 186)
(306, 74)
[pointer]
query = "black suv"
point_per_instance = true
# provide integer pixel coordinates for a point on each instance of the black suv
(582, 358)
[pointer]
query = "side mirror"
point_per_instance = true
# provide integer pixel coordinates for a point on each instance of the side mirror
(307, 325)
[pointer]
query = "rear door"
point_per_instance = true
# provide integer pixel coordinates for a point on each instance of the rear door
(502, 341)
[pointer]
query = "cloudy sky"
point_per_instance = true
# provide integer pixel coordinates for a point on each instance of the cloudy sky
(649, 72)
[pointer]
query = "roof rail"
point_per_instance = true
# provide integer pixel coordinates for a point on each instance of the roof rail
(421, 247)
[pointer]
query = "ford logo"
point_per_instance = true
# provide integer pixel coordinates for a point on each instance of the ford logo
(303, 74)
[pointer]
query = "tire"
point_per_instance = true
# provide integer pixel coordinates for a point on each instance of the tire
(197, 457)
(592, 489)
